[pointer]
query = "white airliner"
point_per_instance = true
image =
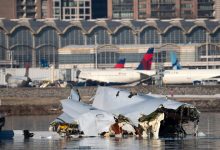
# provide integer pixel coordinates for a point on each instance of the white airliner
(121, 76)
(189, 76)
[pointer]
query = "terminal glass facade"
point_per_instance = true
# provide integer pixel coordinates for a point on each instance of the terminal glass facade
(73, 36)
(2, 45)
(31, 41)
(99, 35)
(213, 53)
(123, 36)
(47, 46)
(149, 35)
(174, 35)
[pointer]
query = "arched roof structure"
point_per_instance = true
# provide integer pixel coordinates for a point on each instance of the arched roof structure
(111, 25)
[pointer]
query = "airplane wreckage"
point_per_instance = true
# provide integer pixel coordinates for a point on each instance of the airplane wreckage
(117, 112)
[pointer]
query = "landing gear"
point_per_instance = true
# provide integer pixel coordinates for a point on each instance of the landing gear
(197, 83)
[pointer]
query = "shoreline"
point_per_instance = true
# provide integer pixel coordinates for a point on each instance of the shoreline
(53, 106)
(36, 101)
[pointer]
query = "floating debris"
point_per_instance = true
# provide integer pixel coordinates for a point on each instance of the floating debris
(114, 112)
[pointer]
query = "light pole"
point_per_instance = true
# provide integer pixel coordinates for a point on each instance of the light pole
(11, 57)
(207, 46)
(96, 54)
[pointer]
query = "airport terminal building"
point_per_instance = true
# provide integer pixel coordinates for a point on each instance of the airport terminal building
(100, 43)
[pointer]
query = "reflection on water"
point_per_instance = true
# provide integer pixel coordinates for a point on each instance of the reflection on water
(34, 123)
(209, 124)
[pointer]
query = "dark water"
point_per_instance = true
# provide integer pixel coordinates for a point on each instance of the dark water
(209, 125)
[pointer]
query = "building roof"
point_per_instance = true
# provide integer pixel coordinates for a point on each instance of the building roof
(111, 25)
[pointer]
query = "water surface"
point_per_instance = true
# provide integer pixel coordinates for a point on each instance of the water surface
(209, 125)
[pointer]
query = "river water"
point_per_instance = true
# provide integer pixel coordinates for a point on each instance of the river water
(209, 137)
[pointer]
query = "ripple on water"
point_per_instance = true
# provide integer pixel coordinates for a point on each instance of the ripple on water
(209, 125)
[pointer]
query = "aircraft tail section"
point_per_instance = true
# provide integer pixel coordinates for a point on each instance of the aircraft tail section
(26, 83)
(27, 66)
(146, 61)
(44, 62)
(120, 63)
(174, 61)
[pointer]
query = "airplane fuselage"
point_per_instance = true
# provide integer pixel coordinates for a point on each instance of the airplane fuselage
(117, 76)
(189, 76)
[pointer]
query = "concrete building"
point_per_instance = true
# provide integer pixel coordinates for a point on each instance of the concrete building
(66, 44)
(62, 9)
(72, 9)
(5, 6)
(12, 9)
(163, 9)
(112, 9)
(206, 9)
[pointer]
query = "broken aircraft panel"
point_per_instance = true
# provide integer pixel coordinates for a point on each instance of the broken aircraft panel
(168, 117)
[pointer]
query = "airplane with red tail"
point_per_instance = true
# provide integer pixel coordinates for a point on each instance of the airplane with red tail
(121, 76)
(120, 63)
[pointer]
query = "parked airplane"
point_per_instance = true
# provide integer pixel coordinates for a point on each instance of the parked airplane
(81, 82)
(18, 81)
(189, 76)
(121, 76)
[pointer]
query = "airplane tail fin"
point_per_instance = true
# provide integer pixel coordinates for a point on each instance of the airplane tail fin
(174, 61)
(146, 61)
(44, 62)
(27, 66)
(120, 63)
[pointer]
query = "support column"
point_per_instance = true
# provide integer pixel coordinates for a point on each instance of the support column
(136, 38)
(207, 50)
(59, 41)
(33, 52)
(161, 40)
(110, 39)
(7, 47)
(85, 39)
